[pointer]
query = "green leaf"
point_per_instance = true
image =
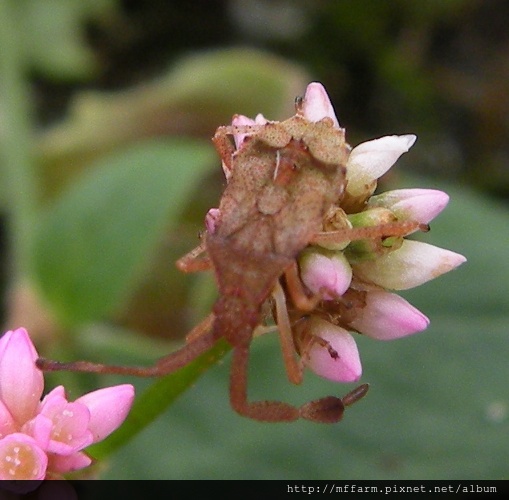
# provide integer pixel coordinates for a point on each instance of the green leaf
(94, 242)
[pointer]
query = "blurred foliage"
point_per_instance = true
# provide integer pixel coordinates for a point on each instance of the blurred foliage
(189, 99)
(106, 225)
(125, 96)
(56, 44)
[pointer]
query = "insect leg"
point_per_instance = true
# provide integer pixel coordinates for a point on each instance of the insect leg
(325, 410)
(224, 148)
(354, 395)
(296, 289)
(201, 328)
(168, 364)
(264, 411)
(191, 262)
(399, 228)
(293, 368)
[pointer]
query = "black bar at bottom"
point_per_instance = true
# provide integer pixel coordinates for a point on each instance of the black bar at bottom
(148, 490)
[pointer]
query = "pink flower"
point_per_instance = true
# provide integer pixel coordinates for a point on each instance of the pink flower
(354, 274)
(387, 316)
(330, 351)
(355, 260)
(241, 120)
(411, 265)
(367, 161)
(325, 272)
(41, 439)
(21, 457)
(420, 205)
(370, 160)
(211, 219)
(317, 105)
(105, 417)
(21, 384)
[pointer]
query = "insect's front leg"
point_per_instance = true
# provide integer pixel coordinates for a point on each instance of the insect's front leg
(201, 328)
(198, 345)
(191, 262)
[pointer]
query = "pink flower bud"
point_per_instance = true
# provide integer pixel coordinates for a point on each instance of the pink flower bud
(420, 205)
(40, 429)
(52, 432)
(370, 160)
(62, 464)
(388, 316)
(409, 266)
(70, 423)
(108, 408)
(21, 458)
(7, 424)
(325, 272)
(211, 219)
(21, 383)
(338, 358)
(317, 105)
(241, 120)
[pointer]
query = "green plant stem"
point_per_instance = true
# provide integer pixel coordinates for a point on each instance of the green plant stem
(17, 163)
(154, 401)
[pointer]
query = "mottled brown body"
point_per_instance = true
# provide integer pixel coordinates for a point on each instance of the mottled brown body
(283, 178)
(274, 203)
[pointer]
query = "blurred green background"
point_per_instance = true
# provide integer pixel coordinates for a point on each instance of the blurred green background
(107, 108)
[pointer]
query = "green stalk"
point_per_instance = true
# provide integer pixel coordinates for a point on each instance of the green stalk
(155, 400)
(16, 162)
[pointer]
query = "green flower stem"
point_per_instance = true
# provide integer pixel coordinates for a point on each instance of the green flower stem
(153, 401)
(17, 165)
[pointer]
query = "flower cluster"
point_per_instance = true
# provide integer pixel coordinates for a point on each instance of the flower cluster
(44, 439)
(362, 255)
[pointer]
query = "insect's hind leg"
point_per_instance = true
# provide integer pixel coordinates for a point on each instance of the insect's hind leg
(325, 410)
(293, 368)
(264, 411)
